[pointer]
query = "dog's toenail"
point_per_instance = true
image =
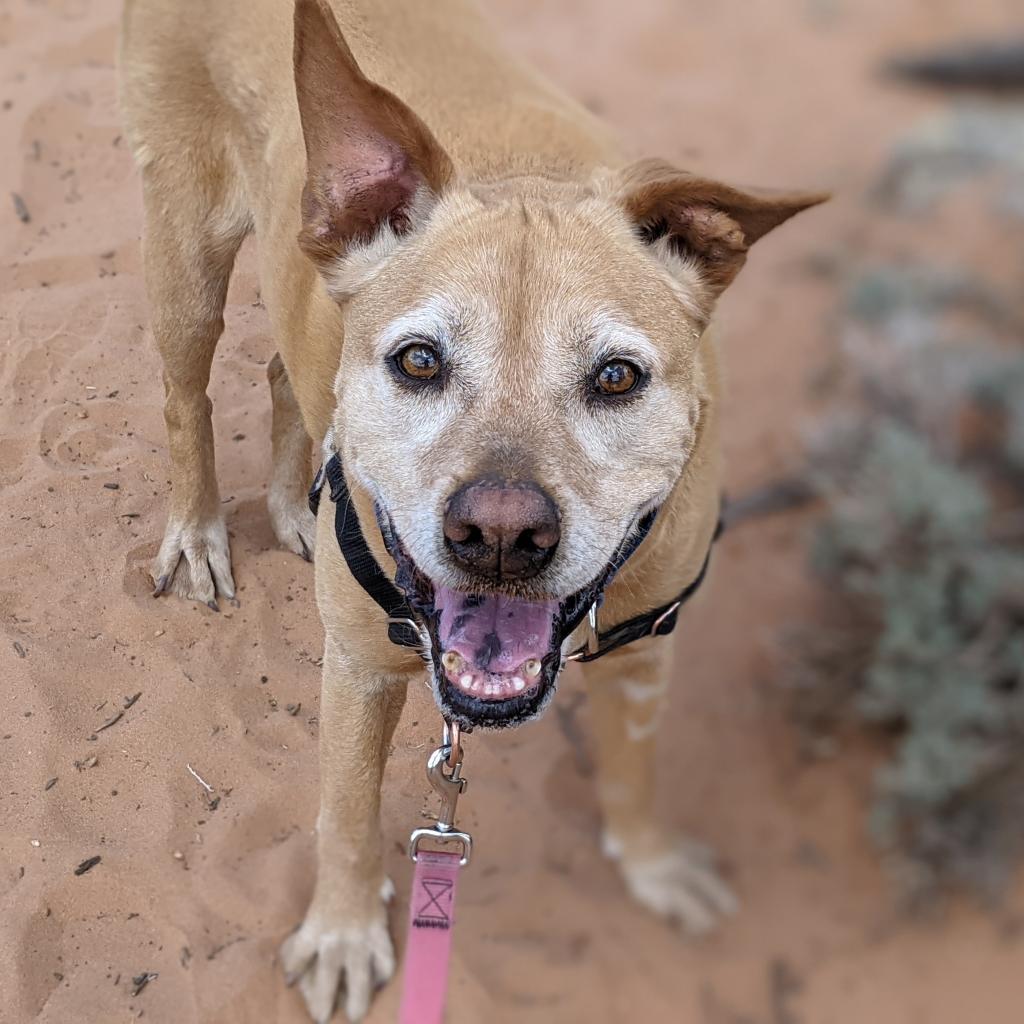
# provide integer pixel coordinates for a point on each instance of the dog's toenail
(213, 606)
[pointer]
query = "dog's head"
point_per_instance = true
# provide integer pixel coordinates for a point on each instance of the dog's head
(519, 384)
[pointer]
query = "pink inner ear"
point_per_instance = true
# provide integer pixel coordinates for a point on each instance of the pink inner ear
(377, 188)
(369, 183)
(367, 152)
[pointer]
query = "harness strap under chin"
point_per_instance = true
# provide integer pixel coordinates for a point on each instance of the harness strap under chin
(657, 622)
(361, 563)
(401, 629)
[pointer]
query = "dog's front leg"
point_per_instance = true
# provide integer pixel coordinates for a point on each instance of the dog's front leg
(291, 470)
(671, 876)
(344, 936)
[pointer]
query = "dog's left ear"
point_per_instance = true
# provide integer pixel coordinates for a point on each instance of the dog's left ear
(703, 222)
(371, 163)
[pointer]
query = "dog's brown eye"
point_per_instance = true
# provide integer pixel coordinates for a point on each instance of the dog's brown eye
(616, 378)
(419, 361)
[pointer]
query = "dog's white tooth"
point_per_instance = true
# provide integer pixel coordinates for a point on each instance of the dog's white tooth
(451, 660)
(491, 689)
(518, 684)
(476, 686)
(532, 667)
(466, 680)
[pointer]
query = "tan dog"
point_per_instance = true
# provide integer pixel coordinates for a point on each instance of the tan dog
(502, 325)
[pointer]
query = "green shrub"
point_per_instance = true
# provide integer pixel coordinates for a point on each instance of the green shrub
(922, 550)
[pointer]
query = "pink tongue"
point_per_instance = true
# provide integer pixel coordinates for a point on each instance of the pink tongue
(495, 634)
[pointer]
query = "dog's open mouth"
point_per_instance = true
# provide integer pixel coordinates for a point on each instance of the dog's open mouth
(496, 658)
(493, 646)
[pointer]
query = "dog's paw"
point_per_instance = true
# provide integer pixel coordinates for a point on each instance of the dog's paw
(194, 562)
(682, 884)
(330, 951)
(294, 525)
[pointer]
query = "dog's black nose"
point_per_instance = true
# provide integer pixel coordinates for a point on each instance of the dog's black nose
(501, 529)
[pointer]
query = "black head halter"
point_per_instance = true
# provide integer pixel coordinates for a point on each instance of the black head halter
(402, 628)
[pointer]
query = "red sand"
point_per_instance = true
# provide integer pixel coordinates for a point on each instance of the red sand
(768, 93)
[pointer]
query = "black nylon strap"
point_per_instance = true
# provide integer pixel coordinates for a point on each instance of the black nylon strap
(657, 622)
(576, 607)
(371, 577)
(361, 563)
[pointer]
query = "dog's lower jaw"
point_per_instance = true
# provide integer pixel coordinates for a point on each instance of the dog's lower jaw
(343, 938)
(515, 710)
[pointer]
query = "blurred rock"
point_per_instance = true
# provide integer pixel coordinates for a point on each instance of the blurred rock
(992, 65)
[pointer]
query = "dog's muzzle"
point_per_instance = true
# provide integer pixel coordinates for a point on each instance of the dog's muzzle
(494, 659)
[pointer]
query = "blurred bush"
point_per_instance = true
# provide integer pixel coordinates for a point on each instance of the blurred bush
(920, 466)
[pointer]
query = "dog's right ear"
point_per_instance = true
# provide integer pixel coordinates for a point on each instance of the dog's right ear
(372, 166)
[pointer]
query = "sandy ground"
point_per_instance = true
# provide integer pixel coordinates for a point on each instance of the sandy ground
(773, 93)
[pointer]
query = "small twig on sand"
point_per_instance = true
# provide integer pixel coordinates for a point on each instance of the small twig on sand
(202, 782)
(140, 981)
(87, 865)
(217, 950)
(20, 209)
(112, 720)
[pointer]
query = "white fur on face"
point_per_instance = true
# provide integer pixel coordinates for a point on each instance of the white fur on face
(684, 278)
(521, 337)
(403, 470)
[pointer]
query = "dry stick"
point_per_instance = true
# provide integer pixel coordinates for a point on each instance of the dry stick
(87, 865)
(20, 209)
(140, 981)
(202, 782)
(113, 720)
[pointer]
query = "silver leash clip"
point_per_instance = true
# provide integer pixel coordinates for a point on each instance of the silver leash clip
(450, 786)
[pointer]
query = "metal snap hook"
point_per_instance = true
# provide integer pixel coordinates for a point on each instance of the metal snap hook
(449, 786)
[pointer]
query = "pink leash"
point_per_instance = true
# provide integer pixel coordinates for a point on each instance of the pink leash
(432, 906)
(429, 946)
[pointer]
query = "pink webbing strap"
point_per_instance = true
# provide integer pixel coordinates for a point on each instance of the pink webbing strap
(429, 945)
